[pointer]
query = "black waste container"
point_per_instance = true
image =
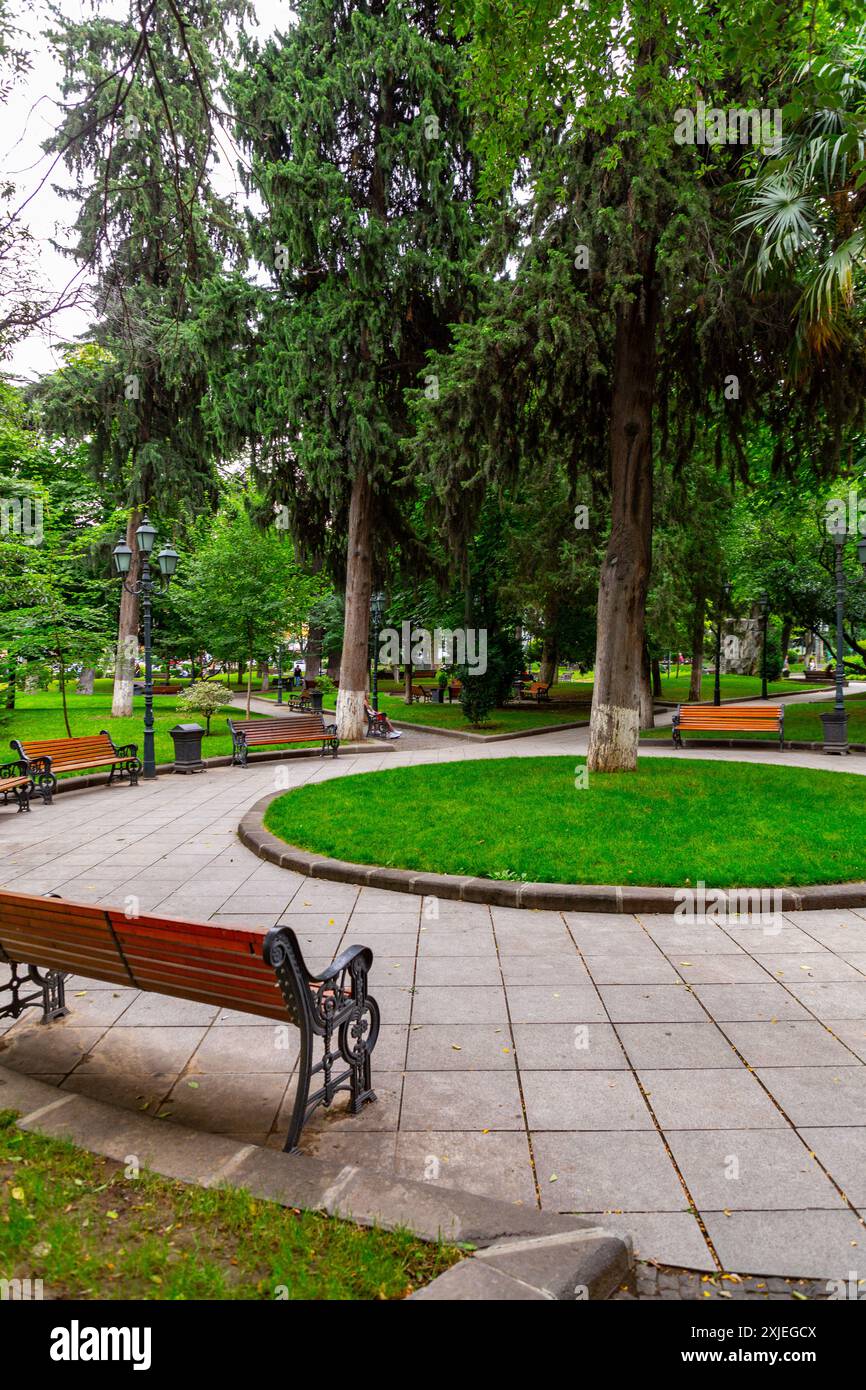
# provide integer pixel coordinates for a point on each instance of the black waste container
(187, 747)
(315, 700)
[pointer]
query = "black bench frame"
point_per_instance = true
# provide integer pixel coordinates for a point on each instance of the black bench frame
(21, 793)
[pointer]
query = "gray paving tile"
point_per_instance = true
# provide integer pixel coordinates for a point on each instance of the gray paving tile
(460, 1047)
(851, 1032)
(606, 1171)
(144, 1092)
(719, 970)
(672, 1045)
(152, 1009)
(702, 1099)
(476, 1003)
(787, 1044)
(136, 1050)
(458, 970)
(570, 1046)
(755, 1003)
(819, 1095)
(803, 1244)
(481, 1101)
(269, 1049)
(846, 999)
(493, 1165)
(751, 1170)
(568, 1004)
(671, 1238)
(630, 970)
(228, 1104)
(651, 1004)
(33, 1049)
(468, 941)
(558, 970)
(583, 1100)
(807, 965)
(842, 1151)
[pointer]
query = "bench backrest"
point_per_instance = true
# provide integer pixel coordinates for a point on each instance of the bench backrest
(64, 752)
(538, 686)
(272, 730)
(188, 960)
(730, 716)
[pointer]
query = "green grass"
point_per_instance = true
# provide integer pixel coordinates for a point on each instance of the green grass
(802, 724)
(78, 1223)
(671, 822)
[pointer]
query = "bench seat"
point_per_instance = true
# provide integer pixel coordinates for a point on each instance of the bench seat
(44, 939)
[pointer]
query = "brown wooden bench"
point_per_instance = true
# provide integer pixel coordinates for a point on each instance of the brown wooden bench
(291, 728)
(728, 719)
(229, 967)
(419, 692)
(15, 781)
(537, 691)
(46, 757)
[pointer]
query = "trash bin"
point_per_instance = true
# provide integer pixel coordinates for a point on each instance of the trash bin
(187, 747)
(315, 697)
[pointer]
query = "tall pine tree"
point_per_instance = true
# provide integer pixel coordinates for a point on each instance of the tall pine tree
(358, 148)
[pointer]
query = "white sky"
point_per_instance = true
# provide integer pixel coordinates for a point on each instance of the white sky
(28, 119)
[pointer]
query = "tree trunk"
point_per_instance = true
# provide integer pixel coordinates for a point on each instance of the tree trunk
(63, 697)
(85, 681)
(657, 679)
(265, 675)
(549, 664)
(314, 650)
(616, 695)
(647, 715)
(787, 629)
(334, 667)
(351, 719)
(11, 673)
(697, 645)
(127, 631)
(249, 683)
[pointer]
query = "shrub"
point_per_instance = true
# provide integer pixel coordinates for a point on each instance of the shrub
(204, 698)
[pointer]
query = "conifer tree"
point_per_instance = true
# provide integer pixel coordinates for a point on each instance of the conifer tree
(137, 134)
(358, 148)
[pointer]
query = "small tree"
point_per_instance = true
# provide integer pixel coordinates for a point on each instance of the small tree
(205, 698)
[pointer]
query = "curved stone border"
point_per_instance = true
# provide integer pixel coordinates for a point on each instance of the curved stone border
(558, 897)
(520, 1255)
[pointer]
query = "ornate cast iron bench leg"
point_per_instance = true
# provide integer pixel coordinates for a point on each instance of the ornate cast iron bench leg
(334, 1002)
(50, 991)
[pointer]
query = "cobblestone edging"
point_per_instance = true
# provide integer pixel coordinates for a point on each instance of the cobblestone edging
(558, 897)
(518, 1255)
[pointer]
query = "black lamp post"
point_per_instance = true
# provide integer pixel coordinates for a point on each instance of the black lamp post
(145, 587)
(280, 674)
(836, 721)
(377, 612)
(764, 605)
(717, 686)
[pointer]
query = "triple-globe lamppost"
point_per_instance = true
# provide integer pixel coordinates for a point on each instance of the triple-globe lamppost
(145, 587)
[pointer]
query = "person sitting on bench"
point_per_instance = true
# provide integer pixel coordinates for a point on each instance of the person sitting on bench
(383, 720)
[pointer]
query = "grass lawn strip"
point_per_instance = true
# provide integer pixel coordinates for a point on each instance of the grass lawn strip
(670, 823)
(88, 1231)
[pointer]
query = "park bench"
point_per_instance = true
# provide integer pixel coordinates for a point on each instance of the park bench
(46, 757)
(292, 728)
(44, 939)
(377, 724)
(419, 692)
(728, 719)
(15, 782)
(138, 689)
(537, 691)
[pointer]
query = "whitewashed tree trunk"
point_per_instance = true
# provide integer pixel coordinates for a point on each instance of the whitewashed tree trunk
(85, 681)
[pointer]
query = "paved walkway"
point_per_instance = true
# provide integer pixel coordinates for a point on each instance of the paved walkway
(703, 1087)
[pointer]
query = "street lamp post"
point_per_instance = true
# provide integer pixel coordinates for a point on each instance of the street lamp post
(377, 610)
(280, 674)
(144, 588)
(764, 604)
(836, 720)
(717, 685)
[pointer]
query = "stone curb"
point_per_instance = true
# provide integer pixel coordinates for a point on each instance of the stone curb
(519, 1254)
(100, 779)
(556, 897)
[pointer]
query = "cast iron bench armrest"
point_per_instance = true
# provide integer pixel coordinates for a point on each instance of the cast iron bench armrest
(126, 750)
(342, 962)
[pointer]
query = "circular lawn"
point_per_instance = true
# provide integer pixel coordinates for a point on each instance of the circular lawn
(672, 822)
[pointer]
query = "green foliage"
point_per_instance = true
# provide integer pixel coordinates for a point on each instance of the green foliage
(205, 698)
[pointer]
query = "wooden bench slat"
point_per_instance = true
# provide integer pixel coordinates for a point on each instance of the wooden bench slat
(725, 719)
